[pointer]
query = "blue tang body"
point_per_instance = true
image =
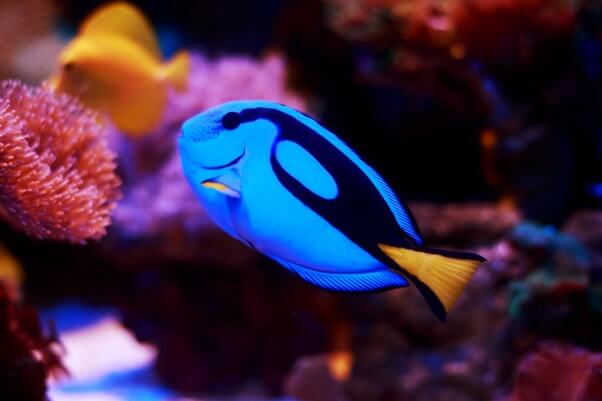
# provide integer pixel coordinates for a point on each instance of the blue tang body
(275, 179)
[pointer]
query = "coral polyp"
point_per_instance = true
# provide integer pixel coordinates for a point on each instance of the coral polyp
(57, 174)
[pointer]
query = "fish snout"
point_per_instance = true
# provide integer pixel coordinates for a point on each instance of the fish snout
(192, 144)
(201, 128)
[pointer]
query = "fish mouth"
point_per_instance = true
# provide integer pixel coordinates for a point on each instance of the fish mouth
(226, 165)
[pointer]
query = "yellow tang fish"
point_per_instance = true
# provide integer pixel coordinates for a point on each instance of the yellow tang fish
(11, 274)
(114, 65)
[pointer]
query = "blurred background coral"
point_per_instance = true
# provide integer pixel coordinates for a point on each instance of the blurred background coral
(485, 115)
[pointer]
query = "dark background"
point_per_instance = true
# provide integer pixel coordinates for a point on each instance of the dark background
(515, 123)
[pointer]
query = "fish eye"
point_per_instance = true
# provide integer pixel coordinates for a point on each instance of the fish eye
(231, 120)
(70, 66)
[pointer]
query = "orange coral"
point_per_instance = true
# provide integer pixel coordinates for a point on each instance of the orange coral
(488, 29)
(511, 28)
(57, 175)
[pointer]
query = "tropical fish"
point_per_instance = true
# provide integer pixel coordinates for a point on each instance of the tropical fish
(277, 180)
(114, 65)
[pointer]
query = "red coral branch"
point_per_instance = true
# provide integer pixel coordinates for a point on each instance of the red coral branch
(28, 356)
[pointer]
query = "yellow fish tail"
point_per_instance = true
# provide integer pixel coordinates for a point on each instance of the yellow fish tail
(177, 69)
(440, 276)
(53, 82)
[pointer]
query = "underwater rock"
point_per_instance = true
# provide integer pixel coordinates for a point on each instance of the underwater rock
(524, 180)
(469, 67)
(586, 226)
(449, 389)
(403, 353)
(57, 175)
(558, 372)
(464, 224)
(312, 380)
(28, 355)
(559, 265)
(457, 372)
(510, 30)
(554, 297)
(489, 30)
(217, 327)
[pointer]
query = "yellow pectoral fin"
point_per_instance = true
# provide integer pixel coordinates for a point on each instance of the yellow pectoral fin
(53, 82)
(222, 188)
(10, 268)
(446, 276)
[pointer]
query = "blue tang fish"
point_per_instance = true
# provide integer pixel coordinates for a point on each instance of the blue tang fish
(277, 180)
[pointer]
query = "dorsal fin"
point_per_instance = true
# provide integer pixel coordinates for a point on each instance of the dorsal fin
(125, 20)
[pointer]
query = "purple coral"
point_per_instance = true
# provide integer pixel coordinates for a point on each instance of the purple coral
(234, 78)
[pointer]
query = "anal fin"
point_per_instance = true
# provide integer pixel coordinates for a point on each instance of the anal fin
(347, 282)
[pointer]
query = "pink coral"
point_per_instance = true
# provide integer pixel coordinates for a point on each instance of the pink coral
(57, 176)
(559, 372)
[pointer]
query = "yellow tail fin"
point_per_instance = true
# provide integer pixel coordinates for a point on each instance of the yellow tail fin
(177, 69)
(444, 276)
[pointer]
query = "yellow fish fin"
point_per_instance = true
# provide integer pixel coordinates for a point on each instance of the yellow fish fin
(176, 70)
(52, 82)
(125, 20)
(139, 111)
(10, 268)
(229, 190)
(222, 188)
(443, 276)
